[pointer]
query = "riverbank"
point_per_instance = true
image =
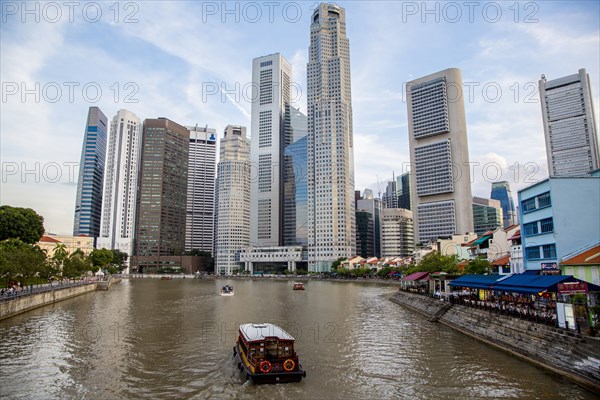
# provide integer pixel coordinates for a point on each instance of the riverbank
(568, 354)
(22, 304)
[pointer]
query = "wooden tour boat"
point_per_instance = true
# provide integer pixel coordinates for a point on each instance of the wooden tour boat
(227, 290)
(298, 286)
(265, 354)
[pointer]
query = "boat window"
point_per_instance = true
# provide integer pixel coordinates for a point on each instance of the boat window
(272, 348)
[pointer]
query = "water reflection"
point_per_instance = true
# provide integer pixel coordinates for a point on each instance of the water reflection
(173, 340)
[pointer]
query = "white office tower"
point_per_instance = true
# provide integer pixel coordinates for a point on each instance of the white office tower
(271, 133)
(331, 215)
(232, 217)
(119, 201)
(569, 125)
(439, 155)
(200, 215)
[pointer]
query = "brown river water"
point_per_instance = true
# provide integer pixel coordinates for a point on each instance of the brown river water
(173, 339)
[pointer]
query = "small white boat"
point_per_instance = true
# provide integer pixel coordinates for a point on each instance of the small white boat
(227, 290)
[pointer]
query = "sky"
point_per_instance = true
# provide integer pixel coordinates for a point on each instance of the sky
(192, 61)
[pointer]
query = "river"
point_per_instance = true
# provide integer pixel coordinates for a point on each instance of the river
(173, 339)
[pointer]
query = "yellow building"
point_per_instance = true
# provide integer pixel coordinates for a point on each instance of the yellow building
(48, 242)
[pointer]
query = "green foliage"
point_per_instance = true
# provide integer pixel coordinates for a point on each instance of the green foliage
(20, 260)
(76, 265)
(479, 265)
(199, 253)
(336, 263)
(21, 223)
(101, 258)
(436, 262)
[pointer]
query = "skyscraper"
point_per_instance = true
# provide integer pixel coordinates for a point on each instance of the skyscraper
(232, 231)
(295, 183)
(331, 232)
(372, 206)
(487, 215)
(121, 183)
(569, 125)
(162, 199)
(439, 155)
(88, 204)
(200, 215)
(501, 192)
(390, 197)
(271, 133)
(403, 190)
(397, 236)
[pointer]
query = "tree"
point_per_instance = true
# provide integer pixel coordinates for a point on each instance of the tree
(21, 223)
(478, 265)
(119, 261)
(436, 262)
(76, 265)
(20, 260)
(100, 258)
(338, 262)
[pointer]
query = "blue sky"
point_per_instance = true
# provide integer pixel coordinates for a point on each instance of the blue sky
(170, 56)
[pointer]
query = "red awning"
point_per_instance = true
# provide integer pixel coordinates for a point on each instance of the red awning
(416, 276)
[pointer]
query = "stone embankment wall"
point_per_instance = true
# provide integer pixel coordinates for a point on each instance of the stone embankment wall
(574, 356)
(26, 303)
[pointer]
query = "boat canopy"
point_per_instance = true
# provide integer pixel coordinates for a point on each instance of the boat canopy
(258, 332)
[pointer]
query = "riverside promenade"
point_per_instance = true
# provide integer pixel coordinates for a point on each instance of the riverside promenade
(14, 303)
(571, 355)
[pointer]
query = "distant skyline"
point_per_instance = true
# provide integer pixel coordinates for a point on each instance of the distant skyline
(196, 69)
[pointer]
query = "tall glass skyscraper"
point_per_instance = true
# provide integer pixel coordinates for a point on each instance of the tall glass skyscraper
(295, 183)
(331, 204)
(88, 204)
(501, 192)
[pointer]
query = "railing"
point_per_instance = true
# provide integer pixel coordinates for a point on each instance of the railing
(8, 294)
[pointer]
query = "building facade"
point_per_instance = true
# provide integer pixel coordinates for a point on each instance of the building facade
(397, 232)
(88, 204)
(162, 198)
(439, 156)
(558, 216)
(569, 125)
(373, 207)
(200, 214)
(232, 219)
(295, 183)
(121, 175)
(404, 192)
(501, 192)
(331, 208)
(487, 215)
(271, 134)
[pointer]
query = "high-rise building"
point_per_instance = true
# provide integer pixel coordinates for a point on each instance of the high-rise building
(403, 190)
(121, 175)
(295, 183)
(397, 236)
(271, 134)
(372, 206)
(569, 125)
(199, 226)
(162, 199)
(331, 207)
(88, 204)
(232, 219)
(487, 215)
(501, 192)
(390, 197)
(440, 180)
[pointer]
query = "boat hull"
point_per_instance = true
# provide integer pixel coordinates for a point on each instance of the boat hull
(271, 377)
(225, 294)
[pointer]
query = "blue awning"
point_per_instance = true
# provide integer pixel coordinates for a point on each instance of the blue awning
(531, 284)
(476, 281)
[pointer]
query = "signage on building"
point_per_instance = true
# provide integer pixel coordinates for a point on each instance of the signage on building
(570, 288)
(546, 266)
